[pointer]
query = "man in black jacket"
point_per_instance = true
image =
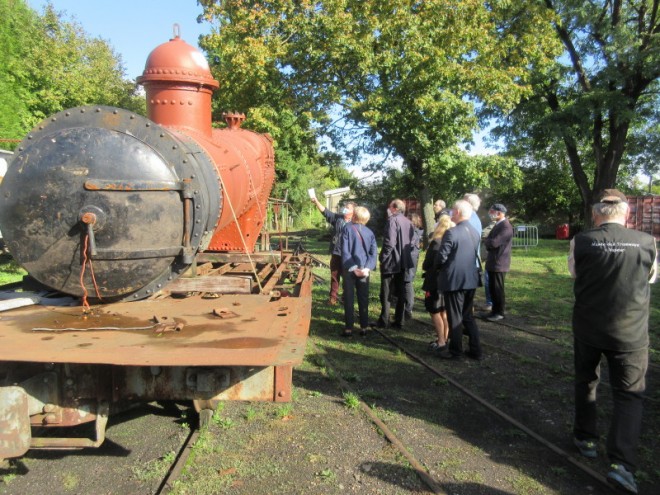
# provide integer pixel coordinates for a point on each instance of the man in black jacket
(612, 267)
(498, 260)
(395, 260)
(458, 267)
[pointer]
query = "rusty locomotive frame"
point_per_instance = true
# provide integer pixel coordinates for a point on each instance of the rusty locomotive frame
(139, 238)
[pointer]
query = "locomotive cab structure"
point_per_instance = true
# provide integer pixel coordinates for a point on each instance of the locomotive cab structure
(148, 225)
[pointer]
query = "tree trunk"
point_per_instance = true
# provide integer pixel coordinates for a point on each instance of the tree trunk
(425, 196)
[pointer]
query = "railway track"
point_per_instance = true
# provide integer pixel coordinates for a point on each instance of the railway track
(337, 359)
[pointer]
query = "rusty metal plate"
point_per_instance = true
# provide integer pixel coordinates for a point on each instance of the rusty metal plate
(15, 433)
(232, 330)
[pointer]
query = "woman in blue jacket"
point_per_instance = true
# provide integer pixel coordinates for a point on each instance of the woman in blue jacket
(359, 253)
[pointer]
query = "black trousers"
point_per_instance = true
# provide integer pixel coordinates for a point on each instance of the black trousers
(392, 284)
(353, 285)
(459, 314)
(627, 379)
(496, 287)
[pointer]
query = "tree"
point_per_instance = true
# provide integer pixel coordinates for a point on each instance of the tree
(16, 23)
(599, 90)
(402, 77)
(49, 64)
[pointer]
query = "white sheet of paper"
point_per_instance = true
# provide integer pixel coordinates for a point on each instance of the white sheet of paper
(312, 193)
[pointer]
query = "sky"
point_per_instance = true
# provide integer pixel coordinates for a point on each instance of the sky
(133, 27)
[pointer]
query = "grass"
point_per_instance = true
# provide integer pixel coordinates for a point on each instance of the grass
(9, 270)
(351, 400)
(154, 469)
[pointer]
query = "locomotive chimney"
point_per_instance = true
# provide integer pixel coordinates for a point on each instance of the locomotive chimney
(179, 85)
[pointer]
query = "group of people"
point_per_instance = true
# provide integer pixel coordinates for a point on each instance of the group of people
(612, 267)
(453, 271)
(452, 268)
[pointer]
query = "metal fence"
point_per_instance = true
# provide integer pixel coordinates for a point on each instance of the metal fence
(525, 236)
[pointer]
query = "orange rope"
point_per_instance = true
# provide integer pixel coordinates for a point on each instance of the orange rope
(86, 307)
(85, 304)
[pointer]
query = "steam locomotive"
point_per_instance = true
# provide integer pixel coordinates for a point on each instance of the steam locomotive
(149, 225)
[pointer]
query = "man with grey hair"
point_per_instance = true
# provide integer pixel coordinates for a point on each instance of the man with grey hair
(613, 267)
(457, 265)
(475, 203)
(438, 207)
(395, 261)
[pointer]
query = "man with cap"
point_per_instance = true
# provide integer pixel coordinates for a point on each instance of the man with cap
(613, 267)
(498, 259)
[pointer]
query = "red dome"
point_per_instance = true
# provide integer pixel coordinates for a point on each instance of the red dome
(177, 61)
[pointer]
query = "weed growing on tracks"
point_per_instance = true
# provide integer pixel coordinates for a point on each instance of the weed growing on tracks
(224, 423)
(155, 468)
(327, 475)
(284, 411)
(8, 478)
(350, 377)
(250, 413)
(524, 485)
(70, 481)
(351, 400)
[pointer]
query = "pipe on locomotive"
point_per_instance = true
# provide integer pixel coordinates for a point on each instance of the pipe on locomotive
(134, 199)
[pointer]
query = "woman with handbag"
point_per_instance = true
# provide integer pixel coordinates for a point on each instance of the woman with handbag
(359, 253)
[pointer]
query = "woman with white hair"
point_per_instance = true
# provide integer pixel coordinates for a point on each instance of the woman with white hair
(358, 253)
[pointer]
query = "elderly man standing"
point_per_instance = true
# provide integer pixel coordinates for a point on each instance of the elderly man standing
(395, 261)
(457, 265)
(612, 267)
(438, 208)
(337, 220)
(475, 203)
(498, 260)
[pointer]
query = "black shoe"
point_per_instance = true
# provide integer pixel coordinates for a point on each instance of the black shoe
(449, 356)
(380, 324)
(396, 326)
(472, 355)
(363, 332)
(407, 316)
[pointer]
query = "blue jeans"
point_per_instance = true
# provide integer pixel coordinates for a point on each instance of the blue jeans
(353, 285)
(627, 379)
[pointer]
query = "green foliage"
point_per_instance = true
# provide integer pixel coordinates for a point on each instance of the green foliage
(48, 64)
(381, 78)
(351, 400)
(585, 105)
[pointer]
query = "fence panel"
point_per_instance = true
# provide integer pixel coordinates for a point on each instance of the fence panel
(525, 236)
